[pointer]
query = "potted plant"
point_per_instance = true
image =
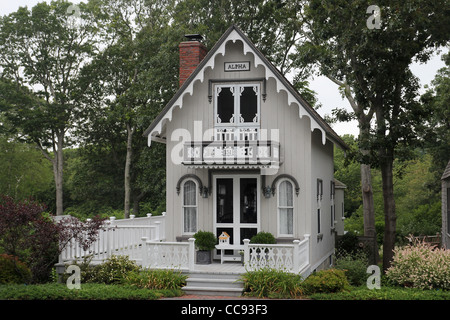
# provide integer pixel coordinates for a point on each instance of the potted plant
(205, 242)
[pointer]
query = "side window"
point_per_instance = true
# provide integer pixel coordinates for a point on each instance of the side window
(286, 208)
(189, 207)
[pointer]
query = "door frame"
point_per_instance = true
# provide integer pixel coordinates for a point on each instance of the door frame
(236, 224)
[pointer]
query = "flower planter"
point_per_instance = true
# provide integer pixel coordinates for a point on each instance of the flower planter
(204, 257)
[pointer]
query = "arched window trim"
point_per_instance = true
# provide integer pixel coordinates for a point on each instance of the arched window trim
(285, 176)
(192, 177)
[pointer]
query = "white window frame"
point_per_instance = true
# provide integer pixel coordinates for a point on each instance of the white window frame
(236, 90)
(280, 234)
(183, 206)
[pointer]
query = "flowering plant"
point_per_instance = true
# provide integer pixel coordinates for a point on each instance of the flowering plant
(420, 265)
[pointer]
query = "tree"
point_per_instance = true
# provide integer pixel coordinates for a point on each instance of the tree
(373, 64)
(130, 81)
(40, 58)
(437, 134)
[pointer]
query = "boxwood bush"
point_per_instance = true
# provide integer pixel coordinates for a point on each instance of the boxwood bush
(325, 281)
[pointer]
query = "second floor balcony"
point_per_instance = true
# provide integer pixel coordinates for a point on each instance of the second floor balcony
(232, 153)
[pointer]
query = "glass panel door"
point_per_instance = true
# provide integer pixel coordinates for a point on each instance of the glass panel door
(224, 201)
(236, 207)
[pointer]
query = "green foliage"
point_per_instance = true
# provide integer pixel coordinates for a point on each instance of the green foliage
(156, 279)
(113, 271)
(12, 270)
(417, 200)
(355, 267)
(205, 240)
(23, 171)
(384, 293)
(263, 237)
(325, 281)
(272, 283)
(88, 291)
(420, 266)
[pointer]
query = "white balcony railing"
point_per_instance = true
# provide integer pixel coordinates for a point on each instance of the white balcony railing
(250, 133)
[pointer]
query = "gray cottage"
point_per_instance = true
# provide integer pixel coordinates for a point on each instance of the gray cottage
(246, 153)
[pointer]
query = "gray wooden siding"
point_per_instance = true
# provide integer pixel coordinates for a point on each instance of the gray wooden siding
(304, 157)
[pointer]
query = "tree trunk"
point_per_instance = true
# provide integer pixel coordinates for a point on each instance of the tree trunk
(367, 199)
(389, 211)
(386, 158)
(367, 190)
(58, 173)
(136, 201)
(127, 201)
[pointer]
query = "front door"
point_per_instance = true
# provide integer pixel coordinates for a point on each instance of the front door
(236, 206)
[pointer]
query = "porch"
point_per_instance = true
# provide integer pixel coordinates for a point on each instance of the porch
(143, 240)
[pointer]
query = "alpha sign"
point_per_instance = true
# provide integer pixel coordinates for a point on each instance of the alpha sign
(237, 66)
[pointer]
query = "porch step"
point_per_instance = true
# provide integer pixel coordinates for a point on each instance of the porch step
(224, 284)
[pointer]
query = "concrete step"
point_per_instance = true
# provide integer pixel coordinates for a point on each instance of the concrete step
(226, 284)
(213, 291)
(208, 282)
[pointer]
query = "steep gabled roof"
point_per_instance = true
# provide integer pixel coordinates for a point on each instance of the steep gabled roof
(232, 34)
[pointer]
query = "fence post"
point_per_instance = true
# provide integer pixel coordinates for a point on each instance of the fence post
(158, 227)
(296, 256)
(191, 253)
(246, 252)
(307, 248)
(144, 252)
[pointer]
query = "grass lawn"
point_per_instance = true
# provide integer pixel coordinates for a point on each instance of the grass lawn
(94, 291)
(385, 293)
(88, 291)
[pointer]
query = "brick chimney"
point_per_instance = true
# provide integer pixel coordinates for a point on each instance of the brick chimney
(192, 53)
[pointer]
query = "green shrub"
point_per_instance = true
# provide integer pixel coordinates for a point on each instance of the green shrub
(12, 270)
(384, 293)
(355, 267)
(205, 240)
(156, 279)
(263, 238)
(113, 270)
(272, 283)
(88, 291)
(420, 266)
(325, 281)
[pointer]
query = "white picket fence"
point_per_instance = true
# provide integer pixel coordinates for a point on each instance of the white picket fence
(118, 237)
